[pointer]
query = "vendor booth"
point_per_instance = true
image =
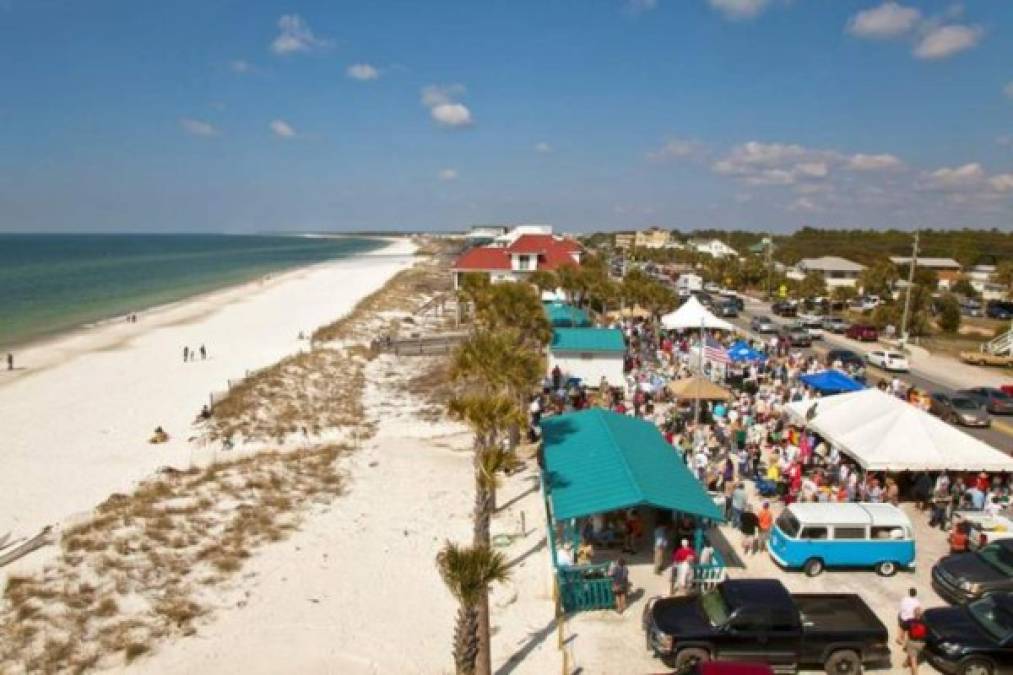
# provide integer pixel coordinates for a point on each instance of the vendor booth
(698, 388)
(741, 351)
(883, 433)
(588, 354)
(597, 462)
(563, 315)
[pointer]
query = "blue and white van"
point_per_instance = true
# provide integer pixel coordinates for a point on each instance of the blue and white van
(814, 536)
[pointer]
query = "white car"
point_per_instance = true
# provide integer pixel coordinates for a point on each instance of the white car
(892, 361)
(812, 327)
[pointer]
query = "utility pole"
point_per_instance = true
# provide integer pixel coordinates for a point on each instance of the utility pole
(907, 296)
(770, 265)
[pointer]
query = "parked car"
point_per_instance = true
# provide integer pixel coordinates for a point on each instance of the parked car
(963, 577)
(762, 324)
(784, 308)
(971, 307)
(797, 336)
(812, 323)
(727, 668)
(862, 332)
(999, 309)
(982, 528)
(848, 359)
(976, 639)
(996, 401)
(711, 287)
(959, 409)
(835, 324)
(814, 536)
(727, 309)
(759, 620)
(887, 360)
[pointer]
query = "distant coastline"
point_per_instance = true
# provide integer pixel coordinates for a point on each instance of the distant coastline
(55, 284)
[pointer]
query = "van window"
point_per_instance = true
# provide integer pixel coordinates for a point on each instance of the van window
(788, 524)
(885, 532)
(849, 533)
(813, 532)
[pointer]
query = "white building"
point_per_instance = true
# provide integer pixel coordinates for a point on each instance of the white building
(836, 271)
(713, 247)
(517, 231)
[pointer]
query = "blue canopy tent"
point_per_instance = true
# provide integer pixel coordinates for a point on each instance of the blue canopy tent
(741, 351)
(831, 382)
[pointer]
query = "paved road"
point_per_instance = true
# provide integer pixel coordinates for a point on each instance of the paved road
(999, 435)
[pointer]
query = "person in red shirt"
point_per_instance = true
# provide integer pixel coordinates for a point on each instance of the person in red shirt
(684, 551)
(982, 482)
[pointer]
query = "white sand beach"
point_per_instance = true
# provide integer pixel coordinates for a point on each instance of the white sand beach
(76, 416)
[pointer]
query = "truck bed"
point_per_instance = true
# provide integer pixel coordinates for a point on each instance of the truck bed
(837, 612)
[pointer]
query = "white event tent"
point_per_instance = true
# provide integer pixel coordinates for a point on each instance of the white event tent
(884, 433)
(691, 314)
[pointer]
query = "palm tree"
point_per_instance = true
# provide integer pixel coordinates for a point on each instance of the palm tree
(468, 572)
(490, 416)
(513, 306)
(543, 280)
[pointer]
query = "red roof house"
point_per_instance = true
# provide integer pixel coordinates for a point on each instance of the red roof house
(527, 253)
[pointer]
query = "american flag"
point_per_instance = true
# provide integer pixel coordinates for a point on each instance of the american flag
(713, 351)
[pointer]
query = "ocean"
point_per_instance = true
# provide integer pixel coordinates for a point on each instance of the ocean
(50, 284)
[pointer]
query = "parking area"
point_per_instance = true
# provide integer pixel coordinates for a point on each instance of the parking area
(605, 642)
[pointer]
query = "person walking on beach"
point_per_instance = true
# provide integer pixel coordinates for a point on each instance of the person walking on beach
(186, 354)
(203, 353)
(10, 361)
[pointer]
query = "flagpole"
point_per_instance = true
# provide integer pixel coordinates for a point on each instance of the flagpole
(696, 402)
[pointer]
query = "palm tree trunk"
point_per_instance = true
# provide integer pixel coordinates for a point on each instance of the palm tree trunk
(484, 496)
(466, 639)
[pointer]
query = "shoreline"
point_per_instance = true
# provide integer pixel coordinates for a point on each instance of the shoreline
(49, 338)
(78, 417)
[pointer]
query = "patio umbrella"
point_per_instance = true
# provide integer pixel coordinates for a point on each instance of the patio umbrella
(698, 388)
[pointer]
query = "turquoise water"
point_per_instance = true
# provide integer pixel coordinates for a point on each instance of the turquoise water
(54, 283)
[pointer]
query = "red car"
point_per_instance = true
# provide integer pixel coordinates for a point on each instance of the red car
(862, 333)
(727, 668)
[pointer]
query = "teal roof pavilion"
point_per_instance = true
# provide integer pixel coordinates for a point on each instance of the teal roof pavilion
(587, 340)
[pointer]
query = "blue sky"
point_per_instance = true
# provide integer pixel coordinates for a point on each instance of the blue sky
(589, 114)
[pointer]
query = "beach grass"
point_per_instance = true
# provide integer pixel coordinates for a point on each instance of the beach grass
(187, 532)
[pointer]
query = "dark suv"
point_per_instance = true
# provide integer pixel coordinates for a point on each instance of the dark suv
(974, 639)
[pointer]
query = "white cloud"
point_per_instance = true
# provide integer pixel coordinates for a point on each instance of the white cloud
(443, 106)
(437, 94)
(1002, 182)
(804, 205)
(881, 162)
(940, 42)
(543, 147)
(889, 20)
(240, 66)
(362, 72)
(447, 175)
(1008, 90)
(737, 10)
(674, 148)
(295, 36)
(957, 178)
(282, 129)
(774, 163)
(197, 127)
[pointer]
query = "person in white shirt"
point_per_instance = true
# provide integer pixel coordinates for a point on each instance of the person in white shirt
(909, 606)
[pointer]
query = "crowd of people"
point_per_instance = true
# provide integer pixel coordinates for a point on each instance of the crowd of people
(747, 436)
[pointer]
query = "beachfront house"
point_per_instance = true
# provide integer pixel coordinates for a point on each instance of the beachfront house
(588, 354)
(713, 247)
(836, 271)
(515, 256)
(947, 270)
(597, 466)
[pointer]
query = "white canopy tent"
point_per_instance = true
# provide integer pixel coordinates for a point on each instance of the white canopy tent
(693, 315)
(884, 433)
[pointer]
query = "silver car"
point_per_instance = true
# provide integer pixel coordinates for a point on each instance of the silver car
(762, 324)
(959, 409)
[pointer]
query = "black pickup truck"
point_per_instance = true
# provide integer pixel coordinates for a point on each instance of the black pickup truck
(758, 620)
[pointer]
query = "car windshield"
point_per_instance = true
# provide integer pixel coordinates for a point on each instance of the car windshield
(715, 607)
(964, 404)
(998, 394)
(894, 355)
(993, 619)
(998, 557)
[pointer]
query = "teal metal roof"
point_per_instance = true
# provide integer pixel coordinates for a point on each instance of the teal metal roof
(587, 340)
(562, 315)
(598, 461)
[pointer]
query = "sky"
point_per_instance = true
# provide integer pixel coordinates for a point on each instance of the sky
(253, 116)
